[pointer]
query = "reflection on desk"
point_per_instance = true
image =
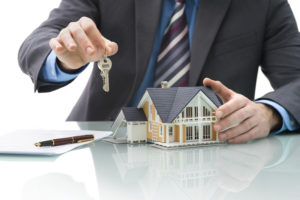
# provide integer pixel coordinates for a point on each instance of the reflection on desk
(208, 173)
(261, 170)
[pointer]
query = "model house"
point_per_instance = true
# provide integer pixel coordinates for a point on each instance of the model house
(172, 117)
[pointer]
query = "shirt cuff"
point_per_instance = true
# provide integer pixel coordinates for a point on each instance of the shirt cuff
(51, 73)
(289, 122)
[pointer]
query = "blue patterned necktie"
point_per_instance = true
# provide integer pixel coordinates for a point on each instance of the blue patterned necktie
(173, 62)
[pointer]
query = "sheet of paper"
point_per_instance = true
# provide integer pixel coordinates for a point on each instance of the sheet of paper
(22, 141)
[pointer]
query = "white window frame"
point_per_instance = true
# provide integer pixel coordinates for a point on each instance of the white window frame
(150, 127)
(189, 112)
(171, 131)
(196, 130)
(206, 132)
(189, 133)
(161, 131)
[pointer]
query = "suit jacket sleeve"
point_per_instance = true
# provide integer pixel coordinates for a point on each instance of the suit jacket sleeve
(281, 57)
(35, 49)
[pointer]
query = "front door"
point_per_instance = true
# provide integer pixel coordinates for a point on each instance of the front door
(171, 133)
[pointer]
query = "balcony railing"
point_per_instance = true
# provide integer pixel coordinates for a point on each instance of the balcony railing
(196, 119)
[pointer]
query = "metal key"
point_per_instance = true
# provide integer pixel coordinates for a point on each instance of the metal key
(105, 65)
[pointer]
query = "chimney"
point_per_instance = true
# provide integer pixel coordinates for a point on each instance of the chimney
(164, 84)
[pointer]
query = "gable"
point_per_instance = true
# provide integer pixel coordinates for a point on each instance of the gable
(169, 102)
(182, 99)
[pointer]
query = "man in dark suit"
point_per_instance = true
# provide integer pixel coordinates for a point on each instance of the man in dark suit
(226, 40)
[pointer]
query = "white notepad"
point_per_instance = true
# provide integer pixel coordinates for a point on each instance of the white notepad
(22, 141)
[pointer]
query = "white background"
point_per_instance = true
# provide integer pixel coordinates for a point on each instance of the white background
(19, 105)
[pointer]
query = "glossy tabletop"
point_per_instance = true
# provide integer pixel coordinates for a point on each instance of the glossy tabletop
(263, 169)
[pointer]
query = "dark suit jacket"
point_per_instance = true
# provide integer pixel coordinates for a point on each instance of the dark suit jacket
(232, 38)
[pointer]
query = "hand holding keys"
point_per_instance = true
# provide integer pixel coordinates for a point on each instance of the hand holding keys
(80, 43)
(105, 65)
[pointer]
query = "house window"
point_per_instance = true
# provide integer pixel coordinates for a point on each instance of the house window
(182, 114)
(170, 131)
(189, 112)
(196, 111)
(206, 112)
(206, 132)
(196, 132)
(161, 131)
(189, 133)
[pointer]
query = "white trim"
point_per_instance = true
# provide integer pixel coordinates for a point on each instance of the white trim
(208, 101)
(167, 134)
(143, 99)
(161, 131)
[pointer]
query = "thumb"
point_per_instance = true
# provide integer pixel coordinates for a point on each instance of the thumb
(111, 47)
(220, 89)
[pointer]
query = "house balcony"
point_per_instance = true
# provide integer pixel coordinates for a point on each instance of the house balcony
(206, 119)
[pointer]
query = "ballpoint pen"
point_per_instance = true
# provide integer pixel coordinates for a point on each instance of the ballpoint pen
(67, 140)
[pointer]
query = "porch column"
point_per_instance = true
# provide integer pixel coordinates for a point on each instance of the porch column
(200, 132)
(167, 134)
(180, 134)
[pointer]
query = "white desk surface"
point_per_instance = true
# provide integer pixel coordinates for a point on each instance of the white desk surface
(264, 169)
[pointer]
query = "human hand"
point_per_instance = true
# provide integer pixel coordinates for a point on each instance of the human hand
(80, 43)
(240, 119)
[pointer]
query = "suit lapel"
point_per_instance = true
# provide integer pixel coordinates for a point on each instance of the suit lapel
(147, 15)
(208, 20)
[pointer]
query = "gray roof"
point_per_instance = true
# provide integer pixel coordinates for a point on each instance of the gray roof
(133, 114)
(169, 102)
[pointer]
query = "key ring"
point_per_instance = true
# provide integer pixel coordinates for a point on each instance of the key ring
(105, 53)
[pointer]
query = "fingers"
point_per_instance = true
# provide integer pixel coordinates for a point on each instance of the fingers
(242, 128)
(234, 118)
(240, 119)
(99, 41)
(250, 135)
(65, 38)
(236, 103)
(83, 37)
(218, 88)
(55, 45)
(233, 101)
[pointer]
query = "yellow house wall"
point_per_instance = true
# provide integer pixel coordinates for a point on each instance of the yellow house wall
(155, 130)
(176, 133)
(146, 109)
(184, 133)
(214, 133)
(153, 112)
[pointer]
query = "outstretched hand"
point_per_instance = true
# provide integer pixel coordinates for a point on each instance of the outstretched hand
(80, 43)
(240, 119)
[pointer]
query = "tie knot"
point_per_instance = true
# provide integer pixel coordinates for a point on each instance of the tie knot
(180, 1)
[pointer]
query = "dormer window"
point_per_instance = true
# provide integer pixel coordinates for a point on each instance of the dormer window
(206, 112)
(189, 112)
(196, 111)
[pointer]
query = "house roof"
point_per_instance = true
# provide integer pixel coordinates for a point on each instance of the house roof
(133, 114)
(169, 102)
